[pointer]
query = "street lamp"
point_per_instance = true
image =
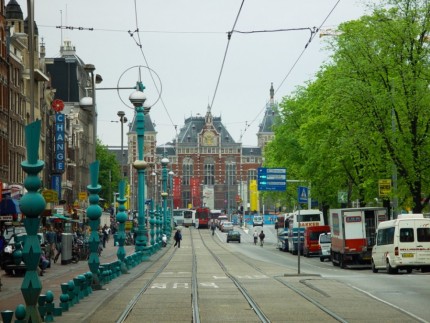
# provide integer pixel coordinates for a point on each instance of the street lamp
(122, 119)
(137, 98)
(90, 102)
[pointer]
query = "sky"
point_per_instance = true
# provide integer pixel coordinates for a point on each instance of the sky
(185, 44)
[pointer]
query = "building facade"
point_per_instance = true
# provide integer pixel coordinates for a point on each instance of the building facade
(210, 168)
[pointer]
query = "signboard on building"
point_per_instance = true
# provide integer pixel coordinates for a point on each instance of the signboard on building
(59, 142)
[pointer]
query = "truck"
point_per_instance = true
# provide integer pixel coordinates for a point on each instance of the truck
(353, 235)
(311, 237)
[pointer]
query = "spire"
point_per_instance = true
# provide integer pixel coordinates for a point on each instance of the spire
(272, 93)
(208, 117)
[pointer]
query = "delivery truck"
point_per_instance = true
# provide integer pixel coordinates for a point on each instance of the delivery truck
(353, 235)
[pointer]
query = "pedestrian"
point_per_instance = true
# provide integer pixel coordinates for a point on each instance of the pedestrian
(213, 227)
(262, 236)
(58, 244)
(50, 243)
(255, 235)
(105, 235)
(178, 238)
(43, 263)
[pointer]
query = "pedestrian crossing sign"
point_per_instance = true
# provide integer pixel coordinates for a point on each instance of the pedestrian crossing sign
(303, 194)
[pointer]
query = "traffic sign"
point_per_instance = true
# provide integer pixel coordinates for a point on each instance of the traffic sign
(384, 187)
(303, 194)
(272, 179)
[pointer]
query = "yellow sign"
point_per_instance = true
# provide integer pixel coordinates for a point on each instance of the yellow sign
(253, 192)
(50, 195)
(83, 196)
(384, 187)
(128, 225)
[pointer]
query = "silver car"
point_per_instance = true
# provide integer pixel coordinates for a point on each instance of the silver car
(227, 226)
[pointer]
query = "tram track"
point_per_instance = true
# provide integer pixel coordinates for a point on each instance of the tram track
(209, 278)
(291, 287)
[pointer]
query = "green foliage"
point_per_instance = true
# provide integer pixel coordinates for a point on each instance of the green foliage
(110, 173)
(366, 112)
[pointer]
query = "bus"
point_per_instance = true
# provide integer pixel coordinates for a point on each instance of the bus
(214, 214)
(297, 222)
(203, 216)
(178, 216)
(189, 217)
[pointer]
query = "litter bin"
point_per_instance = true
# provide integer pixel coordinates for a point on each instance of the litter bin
(66, 250)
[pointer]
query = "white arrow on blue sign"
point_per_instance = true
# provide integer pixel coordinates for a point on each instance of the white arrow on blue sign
(303, 194)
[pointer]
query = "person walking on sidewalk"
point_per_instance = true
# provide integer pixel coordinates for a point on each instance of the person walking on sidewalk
(262, 236)
(178, 238)
(50, 243)
(58, 244)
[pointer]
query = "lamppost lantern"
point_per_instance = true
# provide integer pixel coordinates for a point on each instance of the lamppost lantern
(137, 98)
(121, 114)
(171, 173)
(164, 161)
(86, 102)
(140, 164)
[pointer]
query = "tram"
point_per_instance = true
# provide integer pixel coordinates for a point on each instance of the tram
(203, 216)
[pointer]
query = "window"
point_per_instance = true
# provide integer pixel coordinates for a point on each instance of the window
(385, 236)
(209, 171)
(423, 234)
(406, 235)
(187, 171)
(230, 173)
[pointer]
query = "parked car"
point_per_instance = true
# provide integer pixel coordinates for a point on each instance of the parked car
(283, 240)
(227, 226)
(11, 258)
(233, 235)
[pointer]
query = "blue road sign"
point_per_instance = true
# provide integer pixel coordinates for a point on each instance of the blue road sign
(303, 194)
(272, 179)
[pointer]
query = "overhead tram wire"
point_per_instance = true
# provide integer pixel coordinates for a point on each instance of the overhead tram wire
(139, 44)
(225, 53)
(314, 31)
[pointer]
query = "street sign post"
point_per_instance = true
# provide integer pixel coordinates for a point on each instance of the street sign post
(272, 179)
(303, 194)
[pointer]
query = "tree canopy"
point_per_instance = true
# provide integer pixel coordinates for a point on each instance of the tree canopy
(109, 173)
(365, 116)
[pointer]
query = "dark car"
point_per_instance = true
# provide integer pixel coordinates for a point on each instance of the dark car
(233, 236)
(283, 240)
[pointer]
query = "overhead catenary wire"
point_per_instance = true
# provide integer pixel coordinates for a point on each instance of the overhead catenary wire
(314, 31)
(225, 52)
(139, 43)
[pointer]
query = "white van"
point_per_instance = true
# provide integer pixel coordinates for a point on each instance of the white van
(324, 242)
(403, 243)
(257, 220)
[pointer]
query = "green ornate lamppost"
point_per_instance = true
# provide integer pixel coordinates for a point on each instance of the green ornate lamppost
(121, 217)
(94, 212)
(32, 205)
(137, 98)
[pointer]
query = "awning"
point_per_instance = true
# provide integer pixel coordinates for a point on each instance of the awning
(64, 218)
(9, 206)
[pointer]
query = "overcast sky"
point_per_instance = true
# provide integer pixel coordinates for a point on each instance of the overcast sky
(184, 42)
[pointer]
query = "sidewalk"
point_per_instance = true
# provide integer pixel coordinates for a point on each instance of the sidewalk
(11, 295)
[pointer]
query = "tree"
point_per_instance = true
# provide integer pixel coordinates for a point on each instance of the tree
(367, 110)
(109, 175)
